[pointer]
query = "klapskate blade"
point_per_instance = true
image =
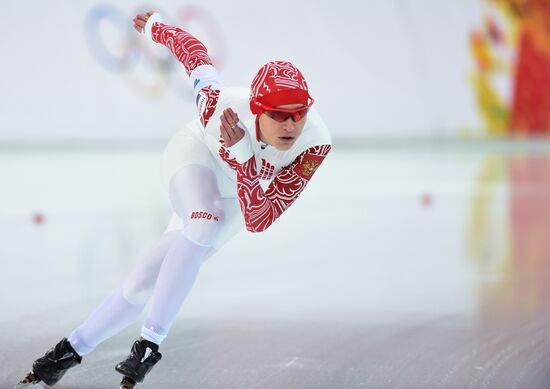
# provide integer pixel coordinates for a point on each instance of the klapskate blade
(126, 384)
(27, 382)
(22, 385)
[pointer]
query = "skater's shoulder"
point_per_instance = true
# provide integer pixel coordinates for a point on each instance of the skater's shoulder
(236, 98)
(235, 94)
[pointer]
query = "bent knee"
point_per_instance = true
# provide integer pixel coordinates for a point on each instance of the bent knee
(203, 227)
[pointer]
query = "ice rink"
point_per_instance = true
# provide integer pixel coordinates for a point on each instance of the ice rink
(421, 266)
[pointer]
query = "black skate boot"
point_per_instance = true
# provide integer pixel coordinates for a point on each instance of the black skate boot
(52, 366)
(142, 358)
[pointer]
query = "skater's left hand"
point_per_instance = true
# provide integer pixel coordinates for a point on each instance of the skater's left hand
(231, 133)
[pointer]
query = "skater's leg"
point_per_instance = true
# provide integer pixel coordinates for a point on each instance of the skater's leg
(113, 315)
(124, 306)
(195, 198)
(176, 278)
(140, 283)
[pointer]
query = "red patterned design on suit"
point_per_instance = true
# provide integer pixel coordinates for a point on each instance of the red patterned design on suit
(187, 49)
(226, 156)
(266, 172)
(261, 209)
(207, 99)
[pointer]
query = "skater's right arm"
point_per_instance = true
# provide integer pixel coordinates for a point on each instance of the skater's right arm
(192, 54)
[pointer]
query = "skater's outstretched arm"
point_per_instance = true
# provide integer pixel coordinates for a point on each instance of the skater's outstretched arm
(185, 47)
(191, 53)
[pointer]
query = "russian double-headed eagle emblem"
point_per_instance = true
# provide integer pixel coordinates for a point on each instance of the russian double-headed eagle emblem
(309, 167)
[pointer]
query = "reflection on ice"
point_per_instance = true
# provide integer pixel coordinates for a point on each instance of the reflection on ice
(362, 281)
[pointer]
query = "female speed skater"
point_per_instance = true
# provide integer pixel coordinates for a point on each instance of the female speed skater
(243, 161)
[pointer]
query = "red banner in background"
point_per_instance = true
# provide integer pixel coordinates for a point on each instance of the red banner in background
(513, 44)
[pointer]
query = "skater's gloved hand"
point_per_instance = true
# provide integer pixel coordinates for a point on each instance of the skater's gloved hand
(141, 19)
(234, 136)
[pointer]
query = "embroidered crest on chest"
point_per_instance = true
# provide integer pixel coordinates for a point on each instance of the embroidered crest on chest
(308, 165)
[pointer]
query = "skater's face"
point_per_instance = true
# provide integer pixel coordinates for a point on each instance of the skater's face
(279, 132)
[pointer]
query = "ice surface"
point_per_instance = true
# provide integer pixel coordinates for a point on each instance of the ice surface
(397, 268)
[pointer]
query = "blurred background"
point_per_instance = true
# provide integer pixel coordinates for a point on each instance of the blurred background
(400, 69)
(422, 243)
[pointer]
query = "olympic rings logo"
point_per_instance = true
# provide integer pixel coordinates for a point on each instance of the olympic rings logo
(150, 70)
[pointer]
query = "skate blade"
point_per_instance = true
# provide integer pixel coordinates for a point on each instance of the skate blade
(29, 380)
(22, 385)
(127, 384)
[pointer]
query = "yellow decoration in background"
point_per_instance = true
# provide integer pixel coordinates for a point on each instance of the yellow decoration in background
(492, 106)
